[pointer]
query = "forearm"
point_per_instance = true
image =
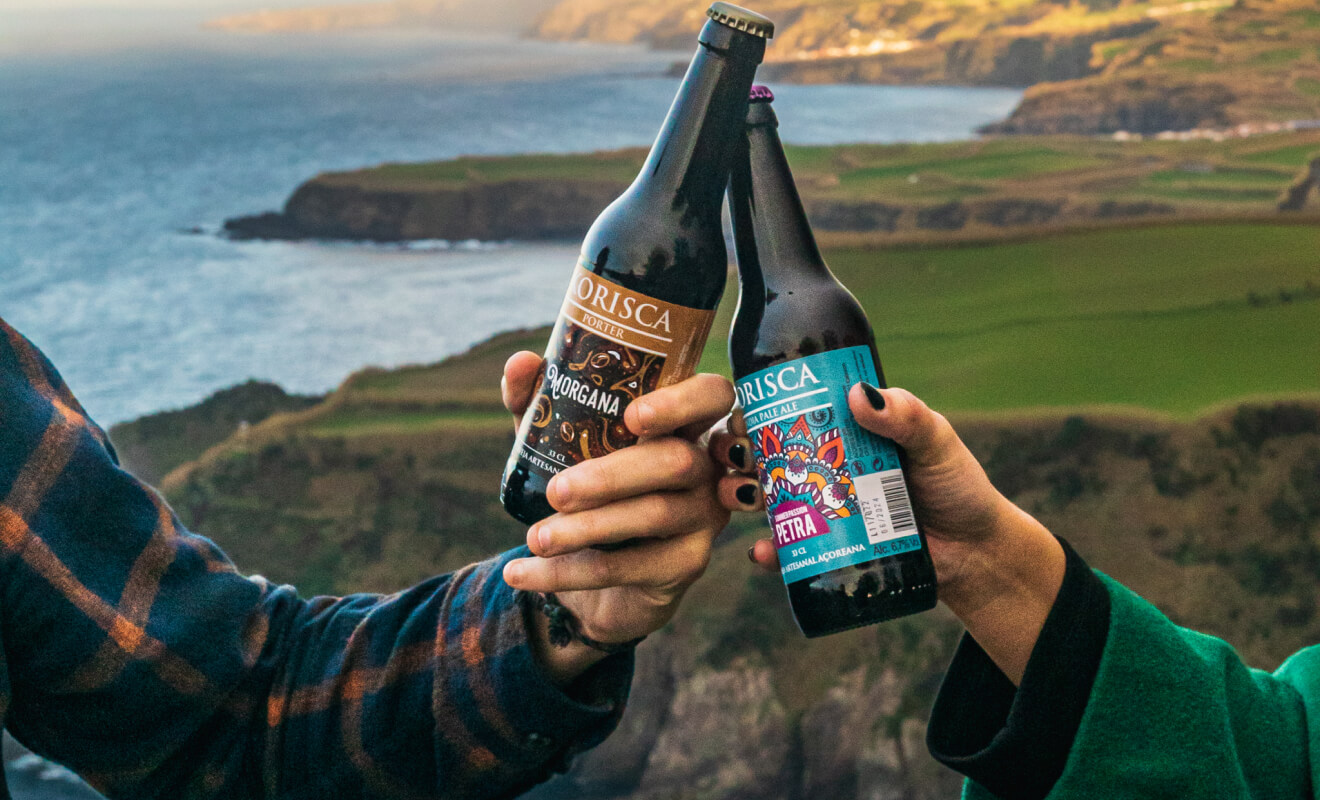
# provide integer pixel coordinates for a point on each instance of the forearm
(1015, 739)
(1011, 580)
(440, 688)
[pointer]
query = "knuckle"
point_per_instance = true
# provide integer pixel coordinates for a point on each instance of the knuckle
(671, 511)
(718, 390)
(683, 459)
(601, 569)
(557, 571)
(595, 478)
(694, 560)
(584, 531)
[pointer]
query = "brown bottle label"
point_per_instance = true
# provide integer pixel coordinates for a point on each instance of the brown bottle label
(610, 346)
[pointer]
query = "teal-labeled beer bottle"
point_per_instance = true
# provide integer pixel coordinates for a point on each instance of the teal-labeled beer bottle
(850, 548)
(652, 269)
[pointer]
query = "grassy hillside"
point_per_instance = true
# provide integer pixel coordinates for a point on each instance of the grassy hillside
(1237, 175)
(153, 445)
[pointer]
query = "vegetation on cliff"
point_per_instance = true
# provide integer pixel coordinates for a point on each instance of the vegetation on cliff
(154, 445)
(904, 192)
(1253, 61)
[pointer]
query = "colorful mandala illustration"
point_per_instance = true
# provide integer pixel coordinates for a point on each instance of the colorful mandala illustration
(796, 464)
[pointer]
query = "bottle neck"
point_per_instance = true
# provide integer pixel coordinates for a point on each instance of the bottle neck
(689, 162)
(775, 245)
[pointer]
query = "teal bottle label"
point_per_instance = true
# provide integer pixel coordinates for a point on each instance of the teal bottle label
(834, 491)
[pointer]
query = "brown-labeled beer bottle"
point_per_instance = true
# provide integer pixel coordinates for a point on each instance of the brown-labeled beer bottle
(850, 549)
(651, 272)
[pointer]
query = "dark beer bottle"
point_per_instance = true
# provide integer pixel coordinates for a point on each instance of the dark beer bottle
(651, 272)
(850, 549)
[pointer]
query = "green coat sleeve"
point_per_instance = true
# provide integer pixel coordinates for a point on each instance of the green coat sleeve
(1176, 714)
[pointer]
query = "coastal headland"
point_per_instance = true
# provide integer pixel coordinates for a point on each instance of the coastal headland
(875, 194)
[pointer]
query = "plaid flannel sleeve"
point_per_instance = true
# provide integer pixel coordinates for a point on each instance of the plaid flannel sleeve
(133, 652)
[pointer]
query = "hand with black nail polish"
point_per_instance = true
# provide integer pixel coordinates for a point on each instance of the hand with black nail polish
(728, 446)
(959, 509)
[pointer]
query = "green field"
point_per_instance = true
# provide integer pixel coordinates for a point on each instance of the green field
(1173, 319)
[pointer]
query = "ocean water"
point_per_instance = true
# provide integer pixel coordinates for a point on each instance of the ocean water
(126, 140)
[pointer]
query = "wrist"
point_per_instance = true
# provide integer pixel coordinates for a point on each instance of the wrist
(562, 664)
(1007, 587)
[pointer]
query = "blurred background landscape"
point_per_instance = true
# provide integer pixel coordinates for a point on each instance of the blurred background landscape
(286, 251)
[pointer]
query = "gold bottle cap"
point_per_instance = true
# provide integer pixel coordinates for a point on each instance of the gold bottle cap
(740, 19)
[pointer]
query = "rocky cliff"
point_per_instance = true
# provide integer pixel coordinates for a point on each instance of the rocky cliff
(1135, 104)
(327, 208)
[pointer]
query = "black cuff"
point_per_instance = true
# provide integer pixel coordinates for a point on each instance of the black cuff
(1015, 741)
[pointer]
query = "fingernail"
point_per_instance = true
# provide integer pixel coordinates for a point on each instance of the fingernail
(645, 416)
(746, 494)
(738, 456)
(513, 571)
(543, 539)
(873, 396)
(751, 554)
(561, 487)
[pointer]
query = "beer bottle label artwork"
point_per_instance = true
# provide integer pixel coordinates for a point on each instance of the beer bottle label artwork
(834, 491)
(610, 346)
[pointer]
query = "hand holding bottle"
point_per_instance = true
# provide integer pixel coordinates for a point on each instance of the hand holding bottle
(659, 492)
(998, 568)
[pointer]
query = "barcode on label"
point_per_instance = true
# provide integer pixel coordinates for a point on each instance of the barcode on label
(886, 508)
(896, 497)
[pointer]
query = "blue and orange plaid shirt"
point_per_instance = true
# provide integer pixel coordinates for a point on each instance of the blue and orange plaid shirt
(133, 652)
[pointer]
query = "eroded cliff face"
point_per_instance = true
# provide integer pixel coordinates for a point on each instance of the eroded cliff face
(1136, 105)
(326, 208)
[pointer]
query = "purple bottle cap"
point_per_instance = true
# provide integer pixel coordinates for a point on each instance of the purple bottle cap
(761, 94)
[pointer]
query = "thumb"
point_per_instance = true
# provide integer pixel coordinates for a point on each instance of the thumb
(899, 415)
